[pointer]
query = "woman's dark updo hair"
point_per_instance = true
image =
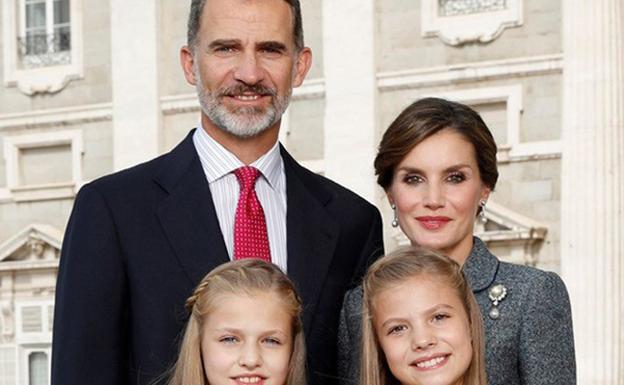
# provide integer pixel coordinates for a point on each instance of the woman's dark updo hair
(426, 117)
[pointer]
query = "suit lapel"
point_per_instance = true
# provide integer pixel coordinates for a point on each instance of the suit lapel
(311, 234)
(481, 267)
(187, 215)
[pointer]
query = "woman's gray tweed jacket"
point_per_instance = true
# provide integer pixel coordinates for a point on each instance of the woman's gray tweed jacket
(531, 342)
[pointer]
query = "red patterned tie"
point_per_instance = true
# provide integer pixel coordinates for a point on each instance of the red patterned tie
(250, 231)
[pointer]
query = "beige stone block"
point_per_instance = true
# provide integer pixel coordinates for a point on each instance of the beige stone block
(177, 126)
(311, 12)
(305, 138)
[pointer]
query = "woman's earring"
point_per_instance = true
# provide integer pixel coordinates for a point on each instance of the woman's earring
(482, 216)
(395, 220)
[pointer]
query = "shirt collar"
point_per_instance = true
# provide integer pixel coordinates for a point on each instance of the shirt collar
(218, 162)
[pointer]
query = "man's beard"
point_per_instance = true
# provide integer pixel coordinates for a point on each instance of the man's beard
(242, 122)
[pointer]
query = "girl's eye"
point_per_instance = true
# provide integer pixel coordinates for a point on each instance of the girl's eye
(397, 329)
(456, 177)
(272, 341)
(440, 317)
(228, 339)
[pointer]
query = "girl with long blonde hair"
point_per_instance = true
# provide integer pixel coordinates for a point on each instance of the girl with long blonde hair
(421, 324)
(245, 327)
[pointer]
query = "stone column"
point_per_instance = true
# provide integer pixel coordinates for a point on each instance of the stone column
(350, 93)
(592, 196)
(136, 106)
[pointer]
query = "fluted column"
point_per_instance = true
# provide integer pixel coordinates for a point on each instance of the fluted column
(136, 106)
(350, 93)
(592, 196)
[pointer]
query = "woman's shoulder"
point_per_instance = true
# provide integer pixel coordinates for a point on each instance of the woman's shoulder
(528, 275)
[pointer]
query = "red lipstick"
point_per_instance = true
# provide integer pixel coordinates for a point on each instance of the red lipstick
(433, 223)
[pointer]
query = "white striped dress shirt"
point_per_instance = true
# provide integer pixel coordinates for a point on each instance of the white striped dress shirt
(219, 164)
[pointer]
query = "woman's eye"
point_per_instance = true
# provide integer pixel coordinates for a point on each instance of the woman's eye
(456, 177)
(412, 179)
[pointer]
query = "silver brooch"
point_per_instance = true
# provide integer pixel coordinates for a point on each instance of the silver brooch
(496, 294)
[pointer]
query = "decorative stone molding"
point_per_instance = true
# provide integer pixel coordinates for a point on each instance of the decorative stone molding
(36, 246)
(483, 25)
(516, 236)
(44, 79)
(12, 147)
(470, 72)
(8, 320)
(57, 117)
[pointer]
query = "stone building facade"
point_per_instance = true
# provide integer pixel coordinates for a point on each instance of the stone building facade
(92, 87)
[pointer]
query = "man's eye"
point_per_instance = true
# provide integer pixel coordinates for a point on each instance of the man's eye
(224, 49)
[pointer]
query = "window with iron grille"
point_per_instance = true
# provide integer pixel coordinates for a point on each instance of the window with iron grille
(45, 38)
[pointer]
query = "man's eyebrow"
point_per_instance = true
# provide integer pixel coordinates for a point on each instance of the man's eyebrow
(272, 46)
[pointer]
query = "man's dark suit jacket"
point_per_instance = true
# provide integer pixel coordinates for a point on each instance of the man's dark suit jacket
(138, 242)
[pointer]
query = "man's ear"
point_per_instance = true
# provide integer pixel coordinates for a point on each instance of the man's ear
(187, 60)
(302, 66)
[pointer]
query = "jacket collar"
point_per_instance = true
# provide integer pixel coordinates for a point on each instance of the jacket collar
(481, 266)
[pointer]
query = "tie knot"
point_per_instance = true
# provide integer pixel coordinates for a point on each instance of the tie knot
(247, 176)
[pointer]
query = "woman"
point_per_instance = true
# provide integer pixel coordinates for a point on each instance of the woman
(437, 164)
(421, 324)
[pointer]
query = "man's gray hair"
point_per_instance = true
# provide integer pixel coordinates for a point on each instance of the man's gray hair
(197, 6)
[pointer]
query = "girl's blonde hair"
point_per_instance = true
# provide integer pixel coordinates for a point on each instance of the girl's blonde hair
(245, 277)
(392, 270)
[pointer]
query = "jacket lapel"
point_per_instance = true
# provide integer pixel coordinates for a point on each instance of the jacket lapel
(311, 233)
(481, 266)
(187, 215)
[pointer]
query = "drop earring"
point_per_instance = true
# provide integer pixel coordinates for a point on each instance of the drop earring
(482, 216)
(395, 220)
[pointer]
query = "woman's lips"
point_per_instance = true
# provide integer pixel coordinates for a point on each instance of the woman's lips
(433, 223)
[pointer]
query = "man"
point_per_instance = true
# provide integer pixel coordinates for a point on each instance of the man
(138, 241)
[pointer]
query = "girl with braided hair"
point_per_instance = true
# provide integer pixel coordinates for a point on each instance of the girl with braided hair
(244, 328)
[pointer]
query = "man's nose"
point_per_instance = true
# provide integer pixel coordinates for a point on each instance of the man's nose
(249, 69)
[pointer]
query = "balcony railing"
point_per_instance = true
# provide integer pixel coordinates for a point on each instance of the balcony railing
(45, 50)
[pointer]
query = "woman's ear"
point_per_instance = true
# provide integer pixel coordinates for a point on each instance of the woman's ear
(485, 194)
(390, 198)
